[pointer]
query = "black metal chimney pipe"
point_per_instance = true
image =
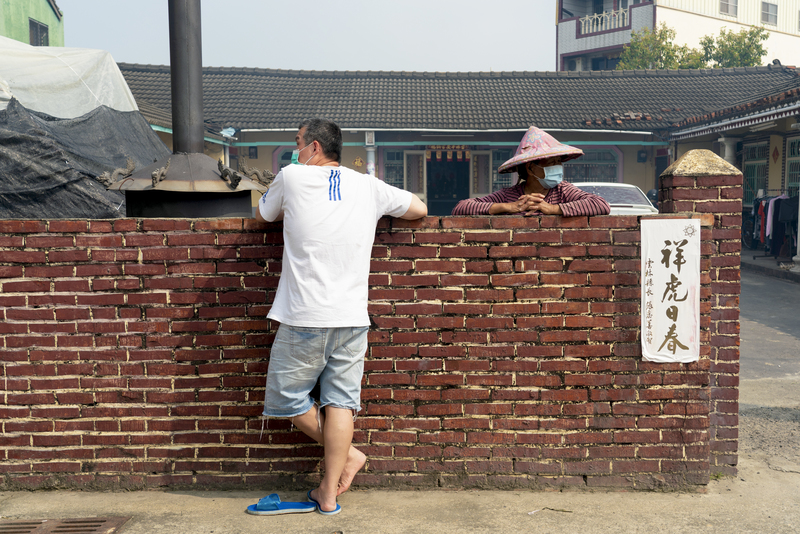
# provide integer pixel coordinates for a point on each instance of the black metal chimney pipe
(186, 67)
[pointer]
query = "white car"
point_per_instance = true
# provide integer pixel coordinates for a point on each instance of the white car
(624, 199)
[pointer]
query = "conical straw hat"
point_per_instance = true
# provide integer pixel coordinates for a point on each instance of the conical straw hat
(538, 144)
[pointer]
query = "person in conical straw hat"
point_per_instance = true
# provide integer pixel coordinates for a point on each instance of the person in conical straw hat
(540, 189)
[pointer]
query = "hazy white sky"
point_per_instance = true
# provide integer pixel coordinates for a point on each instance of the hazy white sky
(418, 35)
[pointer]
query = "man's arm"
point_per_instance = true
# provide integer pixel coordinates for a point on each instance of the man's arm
(259, 218)
(416, 210)
(271, 202)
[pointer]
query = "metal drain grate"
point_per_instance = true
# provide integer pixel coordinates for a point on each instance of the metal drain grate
(88, 525)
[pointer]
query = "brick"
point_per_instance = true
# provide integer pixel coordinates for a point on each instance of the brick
(440, 380)
(541, 410)
(463, 252)
(570, 395)
(10, 271)
(514, 252)
(542, 236)
(589, 266)
(21, 227)
(514, 222)
(466, 222)
(465, 280)
(437, 237)
(27, 257)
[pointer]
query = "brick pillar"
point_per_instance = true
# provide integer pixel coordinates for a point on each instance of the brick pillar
(701, 182)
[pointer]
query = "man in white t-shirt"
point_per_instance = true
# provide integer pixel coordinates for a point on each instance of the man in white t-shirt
(329, 217)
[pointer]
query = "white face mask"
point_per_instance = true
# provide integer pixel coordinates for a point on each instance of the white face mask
(296, 155)
(552, 176)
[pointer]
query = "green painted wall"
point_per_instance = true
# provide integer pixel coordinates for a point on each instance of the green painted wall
(14, 15)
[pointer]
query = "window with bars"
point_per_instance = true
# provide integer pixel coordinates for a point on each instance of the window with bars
(393, 164)
(729, 7)
(500, 181)
(792, 166)
(38, 35)
(594, 166)
(756, 167)
(769, 13)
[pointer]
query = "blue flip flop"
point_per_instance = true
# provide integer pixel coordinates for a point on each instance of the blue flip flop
(272, 505)
(320, 510)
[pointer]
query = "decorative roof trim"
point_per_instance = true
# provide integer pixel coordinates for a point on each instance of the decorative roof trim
(739, 122)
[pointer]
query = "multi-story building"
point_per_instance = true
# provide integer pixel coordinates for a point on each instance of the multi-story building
(33, 22)
(591, 34)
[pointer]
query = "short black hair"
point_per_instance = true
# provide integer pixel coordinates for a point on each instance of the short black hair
(326, 133)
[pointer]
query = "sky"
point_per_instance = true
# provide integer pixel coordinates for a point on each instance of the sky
(377, 35)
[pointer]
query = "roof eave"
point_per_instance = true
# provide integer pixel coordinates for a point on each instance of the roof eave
(736, 122)
(455, 130)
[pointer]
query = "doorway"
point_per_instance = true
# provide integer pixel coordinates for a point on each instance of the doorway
(448, 183)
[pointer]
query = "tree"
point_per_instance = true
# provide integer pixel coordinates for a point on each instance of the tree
(651, 50)
(656, 50)
(743, 49)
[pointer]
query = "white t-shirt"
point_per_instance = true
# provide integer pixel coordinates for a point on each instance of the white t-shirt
(330, 215)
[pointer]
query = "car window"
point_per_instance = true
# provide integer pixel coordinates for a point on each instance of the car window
(617, 195)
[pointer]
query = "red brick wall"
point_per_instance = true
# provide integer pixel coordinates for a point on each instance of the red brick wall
(720, 197)
(506, 354)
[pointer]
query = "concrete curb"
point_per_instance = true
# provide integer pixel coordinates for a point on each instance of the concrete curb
(775, 272)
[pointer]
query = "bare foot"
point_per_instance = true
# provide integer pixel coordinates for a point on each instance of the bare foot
(325, 503)
(355, 461)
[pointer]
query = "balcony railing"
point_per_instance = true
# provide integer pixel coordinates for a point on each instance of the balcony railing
(609, 20)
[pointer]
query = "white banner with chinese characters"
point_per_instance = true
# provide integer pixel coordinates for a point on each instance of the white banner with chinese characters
(671, 290)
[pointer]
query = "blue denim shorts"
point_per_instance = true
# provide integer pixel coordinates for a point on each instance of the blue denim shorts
(301, 355)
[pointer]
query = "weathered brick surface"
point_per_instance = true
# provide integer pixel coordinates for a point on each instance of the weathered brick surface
(699, 195)
(505, 353)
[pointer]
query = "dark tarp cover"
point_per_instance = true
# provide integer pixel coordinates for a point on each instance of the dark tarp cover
(48, 165)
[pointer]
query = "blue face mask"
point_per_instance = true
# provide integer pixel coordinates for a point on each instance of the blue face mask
(552, 176)
(296, 155)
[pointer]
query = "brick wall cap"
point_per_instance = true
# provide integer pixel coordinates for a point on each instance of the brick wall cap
(701, 163)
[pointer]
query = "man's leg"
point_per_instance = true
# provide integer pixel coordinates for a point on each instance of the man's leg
(338, 435)
(355, 459)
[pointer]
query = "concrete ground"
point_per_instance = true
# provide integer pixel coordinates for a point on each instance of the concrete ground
(763, 498)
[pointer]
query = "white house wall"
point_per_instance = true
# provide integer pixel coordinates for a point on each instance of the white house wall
(691, 27)
(748, 12)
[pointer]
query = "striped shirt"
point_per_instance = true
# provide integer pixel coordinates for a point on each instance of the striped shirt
(572, 200)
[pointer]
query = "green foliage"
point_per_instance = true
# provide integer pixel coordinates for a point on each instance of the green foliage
(692, 58)
(651, 50)
(743, 49)
(656, 50)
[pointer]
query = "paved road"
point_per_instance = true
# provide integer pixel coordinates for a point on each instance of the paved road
(770, 327)
(769, 392)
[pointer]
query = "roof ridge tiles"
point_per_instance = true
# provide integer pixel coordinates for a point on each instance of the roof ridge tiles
(472, 74)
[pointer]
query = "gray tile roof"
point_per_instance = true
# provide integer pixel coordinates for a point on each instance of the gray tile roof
(248, 98)
(777, 100)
